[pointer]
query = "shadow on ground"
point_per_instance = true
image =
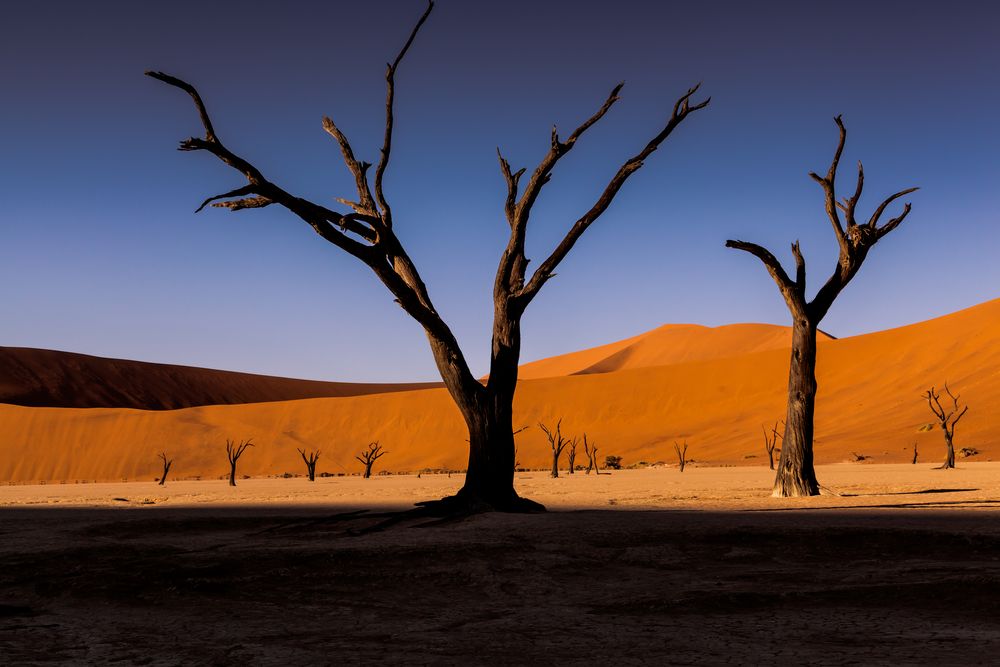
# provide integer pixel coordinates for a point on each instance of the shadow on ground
(302, 586)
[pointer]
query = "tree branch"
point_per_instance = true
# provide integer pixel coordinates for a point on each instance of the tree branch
(390, 76)
(828, 184)
(793, 293)
(682, 108)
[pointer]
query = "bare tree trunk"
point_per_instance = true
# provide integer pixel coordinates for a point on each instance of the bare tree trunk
(796, 474)
(949, 460)
(571, 455)
(914, 454)
(368, 470)
(232, 474)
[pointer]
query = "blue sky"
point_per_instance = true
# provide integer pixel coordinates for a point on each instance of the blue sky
(101, 252)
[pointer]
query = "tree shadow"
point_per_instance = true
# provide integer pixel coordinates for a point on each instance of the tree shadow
(906, 493)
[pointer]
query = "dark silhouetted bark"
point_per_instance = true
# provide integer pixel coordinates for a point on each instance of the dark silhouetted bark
(590, 449)
(681, 455)
(233, 453)
(571, 456)
(370, 456)
(796, 475)
(914, 461)
(770, 442)
(310, 460)
(947, 419)
(557, 442)
(166, 467)
(367, 233)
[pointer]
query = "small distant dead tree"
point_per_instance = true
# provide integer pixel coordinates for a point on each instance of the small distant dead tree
(557, 442)
(517, 464)
(234, 452)
(310, 460)
(770, 442)
(947, 419)
(571, 455)
(166, 467)
(681, 454)
(914, 454)
(370, 456)
(590, 449)
(796, 475)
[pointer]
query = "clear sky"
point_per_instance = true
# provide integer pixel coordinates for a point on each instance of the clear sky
(101, 252)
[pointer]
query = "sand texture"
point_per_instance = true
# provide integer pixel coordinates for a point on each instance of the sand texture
(869, 404)
(279, 572)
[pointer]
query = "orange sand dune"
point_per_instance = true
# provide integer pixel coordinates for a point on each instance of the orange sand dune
(869, 403)
(49, 378)
(665, 345)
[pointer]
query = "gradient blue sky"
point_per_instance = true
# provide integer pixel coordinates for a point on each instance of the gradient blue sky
(100, 251)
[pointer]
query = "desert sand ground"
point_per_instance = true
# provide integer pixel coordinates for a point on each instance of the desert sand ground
(636, 567)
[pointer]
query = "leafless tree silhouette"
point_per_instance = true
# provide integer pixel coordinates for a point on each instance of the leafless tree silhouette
(796, 475)
(914, 462)
(557, 442)
(166, 467)
(370, 456)
(947, 418)
(770, 442)
(571, 455)
(590, 449)
(234, 452)
(367, 233)
(310, 460)
(681, 455)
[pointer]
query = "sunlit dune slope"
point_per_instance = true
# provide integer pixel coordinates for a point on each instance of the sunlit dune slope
(49, 378)
(869, 403)
(665, 345)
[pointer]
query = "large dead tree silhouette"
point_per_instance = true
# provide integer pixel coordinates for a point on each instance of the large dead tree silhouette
(947, 419)
(796, 475)
(556, 442)
(590, 449)
(233, 453)
(310, 460)
(370, 456)
(367, 233)
(571, 456)
(166, 467)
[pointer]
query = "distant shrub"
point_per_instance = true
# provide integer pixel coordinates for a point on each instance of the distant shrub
(966, 452)
(613, 462)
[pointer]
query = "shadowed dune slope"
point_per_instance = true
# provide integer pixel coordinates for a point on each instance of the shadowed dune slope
(49, 378)
(663, 346)
(869, 403)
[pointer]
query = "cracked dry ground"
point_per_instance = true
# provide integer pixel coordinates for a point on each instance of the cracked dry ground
(295, 586)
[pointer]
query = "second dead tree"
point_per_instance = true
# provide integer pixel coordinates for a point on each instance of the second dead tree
(681, 454)
(571, 455)
(914, 454)
(557, 442)
(166, 467)
(796, 475)
(947, 420)
(370, 456)
(310, 461)
(233, 453)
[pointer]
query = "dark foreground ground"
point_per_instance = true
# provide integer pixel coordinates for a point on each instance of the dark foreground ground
(295, 587)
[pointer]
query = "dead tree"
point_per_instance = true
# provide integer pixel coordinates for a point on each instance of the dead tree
(947, 419)
(370, 456)
(166, 467)
(234, 452)
(590, 449)
(770, 442)
(571, 455)
(681, 454)
(367, 233)
(914, 462)
(796, 475)
(557, 442)
(310, 461)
